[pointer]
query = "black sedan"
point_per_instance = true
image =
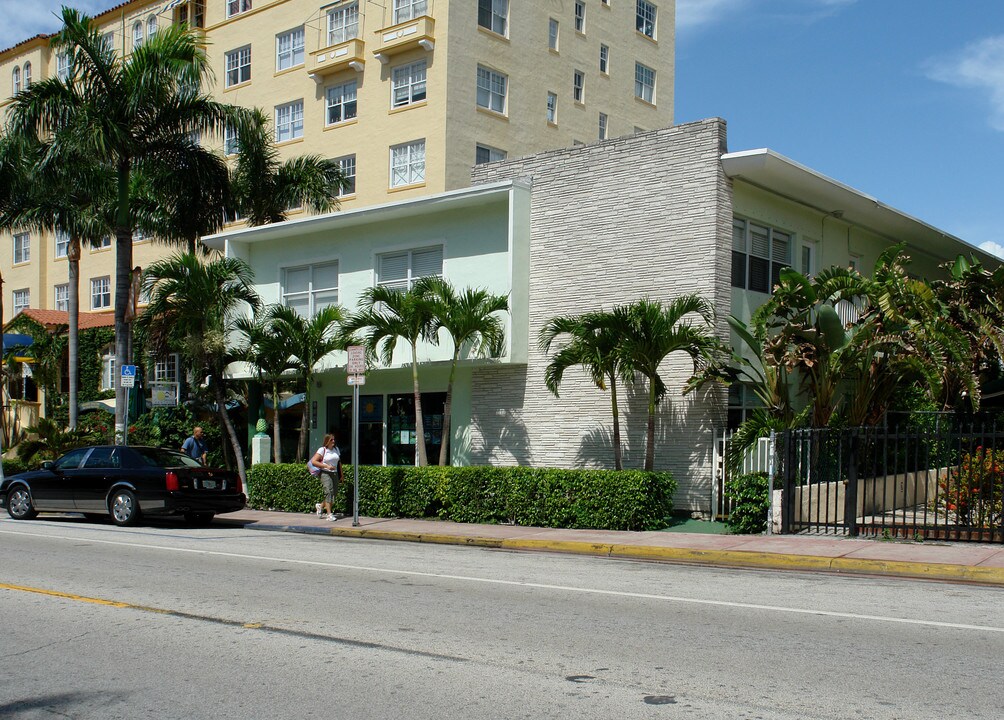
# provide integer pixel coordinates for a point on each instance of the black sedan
(123, 483)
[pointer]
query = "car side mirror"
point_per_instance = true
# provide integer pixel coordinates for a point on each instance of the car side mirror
(48, 465)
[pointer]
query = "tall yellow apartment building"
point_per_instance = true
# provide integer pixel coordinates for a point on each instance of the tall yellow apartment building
(407, 94)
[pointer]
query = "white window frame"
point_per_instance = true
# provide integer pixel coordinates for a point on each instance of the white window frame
(151, 26)
(15, 79)
(408, 84)
(407, 282)
(62, 244)
(289, 121)
(604, 128)
(405, 10)
(137, 35)
(407, 164)
(646, 16)
(552, 108)
(289, 49)
(344, 98)
(579, 87)
(108, 379)
(347, 164)
(492, 90)
(552, 34)
(63, 66)
(101, 292)
(166, 369)
(22, 248)
(496, 14)
(26, 75)
(20, 300)
(580, 17)
(61, 296)
(236, 7)
(312, 294)
(105, 242)
(343, 23)
(230, 146)
(486, 154)
(238, 66)
(604, 59)
(771, 260)
(644, 83)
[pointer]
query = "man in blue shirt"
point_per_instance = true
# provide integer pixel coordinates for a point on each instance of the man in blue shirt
(195, 446)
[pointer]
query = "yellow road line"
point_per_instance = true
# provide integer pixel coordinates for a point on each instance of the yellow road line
(68, 596)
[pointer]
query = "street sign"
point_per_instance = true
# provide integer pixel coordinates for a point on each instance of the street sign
(163, 394)
(357, 379)
(357, 360)
(128, 376)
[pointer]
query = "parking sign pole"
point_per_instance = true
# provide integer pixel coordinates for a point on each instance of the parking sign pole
(355, 455)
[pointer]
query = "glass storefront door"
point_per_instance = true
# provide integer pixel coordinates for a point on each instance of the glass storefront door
(339, 413)
(401, 440)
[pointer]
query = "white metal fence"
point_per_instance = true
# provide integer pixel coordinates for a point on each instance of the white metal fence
(757, 459)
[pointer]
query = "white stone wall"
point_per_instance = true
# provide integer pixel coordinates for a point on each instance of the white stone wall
(647, 215)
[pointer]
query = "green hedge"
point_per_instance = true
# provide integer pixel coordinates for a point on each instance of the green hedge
(14, 466)
(542, 497)
(750, 496)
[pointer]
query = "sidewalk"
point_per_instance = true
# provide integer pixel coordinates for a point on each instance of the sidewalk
(958, 562)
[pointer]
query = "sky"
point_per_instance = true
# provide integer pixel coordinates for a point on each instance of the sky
(900, 99)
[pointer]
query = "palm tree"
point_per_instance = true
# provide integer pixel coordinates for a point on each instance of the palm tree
(268, 353)
(307, 342)
(470, 319)
(140, 112)
(650, 331)
(265, 190)
(593, 344)
(388, 314)
(194, 307)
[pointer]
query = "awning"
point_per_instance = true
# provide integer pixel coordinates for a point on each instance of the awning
(288, 402)
(13, 340)
(173, 4)
(106, 405)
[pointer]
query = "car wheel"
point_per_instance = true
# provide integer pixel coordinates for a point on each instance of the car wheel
(199, 519)
(19, 504)
(123, 508)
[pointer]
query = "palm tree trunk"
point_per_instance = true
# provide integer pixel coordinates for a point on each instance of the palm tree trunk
(618, 461)
(123, 283)
(221, 407)
(650, 440)
(276, 451)
(73, 307)
(444, 447)
(423, 459)
(301, 447)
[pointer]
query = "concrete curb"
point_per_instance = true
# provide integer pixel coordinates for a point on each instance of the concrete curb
(721, 558)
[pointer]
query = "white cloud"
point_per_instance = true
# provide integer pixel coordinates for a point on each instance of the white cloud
(979, 65)
(23, 20)
(993, 248)
(695, 13)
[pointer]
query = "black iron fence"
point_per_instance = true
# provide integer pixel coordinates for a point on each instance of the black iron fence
(944, 483)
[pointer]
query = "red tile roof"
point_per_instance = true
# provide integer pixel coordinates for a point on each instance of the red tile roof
(87, 320)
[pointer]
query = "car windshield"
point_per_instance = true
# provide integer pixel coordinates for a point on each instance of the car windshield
(159, 457)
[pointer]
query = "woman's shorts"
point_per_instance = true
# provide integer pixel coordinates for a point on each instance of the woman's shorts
(330, 485)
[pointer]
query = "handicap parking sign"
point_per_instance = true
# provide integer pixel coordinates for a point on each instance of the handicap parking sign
(128, 375)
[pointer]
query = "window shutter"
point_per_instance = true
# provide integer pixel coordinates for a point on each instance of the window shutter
(427, 262)
(394, 268)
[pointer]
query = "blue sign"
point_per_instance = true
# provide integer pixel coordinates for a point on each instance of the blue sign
(128, 371)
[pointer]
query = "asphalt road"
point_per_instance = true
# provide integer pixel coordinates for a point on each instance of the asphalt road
(163, 621)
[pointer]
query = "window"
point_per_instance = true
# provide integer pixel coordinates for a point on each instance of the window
(310, 288)
(552, 34)
(27, 75)
(604, 59)
(484, 154)
(197, 16)
(491, 89)
(235, 7)
(108, 370)
(758, 254)
(22, 300)
(603, 126)
(644, 82)
(61, 297)
(742, 402)
(137, 35)
(108, 40)
(493, 15)
(405, 10)
(15, 80)
(289, 121)
(341, 102)
(151, 26)
(343, 23)
(238, 66)
(22, 248)
(347, 165)
(407, 164)
(101, 293)
(580, 16)
(289, 49)
(408, 84)
(807, 260)
(105, 242)
(578, 86)
(400, 270)
(552, 108)
(166, 369)
(62, 244)
(230, 146)
(63, 66)
(645, 18)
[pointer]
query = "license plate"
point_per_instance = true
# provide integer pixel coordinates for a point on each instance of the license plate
(209, 484)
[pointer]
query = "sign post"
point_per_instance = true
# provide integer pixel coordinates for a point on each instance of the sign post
(356, 369)
(128, 380)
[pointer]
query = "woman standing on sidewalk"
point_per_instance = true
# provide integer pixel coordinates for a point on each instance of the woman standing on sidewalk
(326, 464)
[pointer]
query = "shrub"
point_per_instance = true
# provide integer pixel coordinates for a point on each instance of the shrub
(974, 491)
(546, 497)
(15, 466)
(750, 496)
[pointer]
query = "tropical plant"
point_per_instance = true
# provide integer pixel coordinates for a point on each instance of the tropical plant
(307, 342)
(193, 310)
(386, 315)
(269, 355)
(144, 111)
(48, 440)
(651, 331)
(470, 318)
(592, 343)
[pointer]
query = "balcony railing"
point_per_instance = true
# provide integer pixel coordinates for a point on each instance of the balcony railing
(335, 58)
(396, 39)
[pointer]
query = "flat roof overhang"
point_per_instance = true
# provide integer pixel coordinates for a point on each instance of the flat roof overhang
(766, 169)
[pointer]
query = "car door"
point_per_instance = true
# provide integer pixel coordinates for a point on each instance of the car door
(52, 489)
(91, 481)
